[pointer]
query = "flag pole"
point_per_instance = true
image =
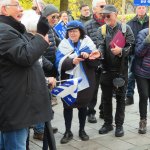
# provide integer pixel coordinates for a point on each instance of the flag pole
(123, 16)
(149, 19)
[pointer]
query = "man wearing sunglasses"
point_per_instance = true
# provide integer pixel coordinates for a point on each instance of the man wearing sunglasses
(91, 28)
(114, 58)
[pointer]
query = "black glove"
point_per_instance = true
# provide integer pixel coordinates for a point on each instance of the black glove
(43, 26)
(147, 39)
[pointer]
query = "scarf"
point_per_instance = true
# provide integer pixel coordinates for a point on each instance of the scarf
(67, 49)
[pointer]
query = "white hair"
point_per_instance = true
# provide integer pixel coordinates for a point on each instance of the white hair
(30, 20)
(3, 3)
(94, 2)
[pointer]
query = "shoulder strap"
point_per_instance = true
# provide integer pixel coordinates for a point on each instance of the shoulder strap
(103, 30)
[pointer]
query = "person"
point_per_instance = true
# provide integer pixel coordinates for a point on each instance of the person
(74, 45)
(63, 17)
(91, 28)
(142, 75)
(139, 22)
(52, 15)
(38, 6)
(24, 98)
(30, 20)
(115, 65)
(85, 13)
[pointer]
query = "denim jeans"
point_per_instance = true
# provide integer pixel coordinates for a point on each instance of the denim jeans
(143, 86)
(39, 128)
(14, 140)
(131, 79)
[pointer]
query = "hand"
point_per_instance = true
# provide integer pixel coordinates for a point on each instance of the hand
(43, 26)
(147, 39)
(84, 55)
(117, 50)
(51, 82)
(94, 55)
(77, 60)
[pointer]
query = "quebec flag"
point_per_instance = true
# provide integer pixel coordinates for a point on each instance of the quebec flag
(68, 90)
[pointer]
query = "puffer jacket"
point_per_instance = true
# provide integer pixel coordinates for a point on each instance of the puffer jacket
(91, 28)
(142, 55)
(50, 53)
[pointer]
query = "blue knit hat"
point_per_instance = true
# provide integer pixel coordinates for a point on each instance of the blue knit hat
(75, 24)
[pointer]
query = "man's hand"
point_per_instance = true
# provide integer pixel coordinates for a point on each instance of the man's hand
(117, 50)
(94, 55)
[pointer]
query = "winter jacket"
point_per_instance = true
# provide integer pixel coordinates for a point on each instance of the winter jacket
(136, 26)
(112, 62)
(142, 55)
(24, 97)
(50, 53)
(91, 28)
(84, 19)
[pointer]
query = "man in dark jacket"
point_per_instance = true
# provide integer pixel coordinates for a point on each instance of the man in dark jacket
(91, 28)
(24, 97)
(115, 64)
(85, 13)
(139, 22)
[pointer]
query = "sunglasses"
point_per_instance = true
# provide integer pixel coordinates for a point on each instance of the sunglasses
(106, 16)
(55, 17)
(34, 7)
(102, 6)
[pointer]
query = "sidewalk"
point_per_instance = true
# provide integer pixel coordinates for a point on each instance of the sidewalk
(131, 140)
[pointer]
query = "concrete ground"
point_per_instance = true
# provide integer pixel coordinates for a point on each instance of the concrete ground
(130, 141)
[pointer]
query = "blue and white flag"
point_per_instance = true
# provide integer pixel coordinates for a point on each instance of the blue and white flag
(68, 90)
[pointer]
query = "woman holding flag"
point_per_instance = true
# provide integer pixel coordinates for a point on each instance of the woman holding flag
(77, 58)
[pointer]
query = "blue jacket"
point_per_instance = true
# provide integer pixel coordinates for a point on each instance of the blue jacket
(142, 55)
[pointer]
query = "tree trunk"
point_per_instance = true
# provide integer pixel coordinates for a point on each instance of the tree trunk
(63, 5)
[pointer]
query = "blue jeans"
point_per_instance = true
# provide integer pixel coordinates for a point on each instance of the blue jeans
(131, 78)
(13, 140)
(39, 128)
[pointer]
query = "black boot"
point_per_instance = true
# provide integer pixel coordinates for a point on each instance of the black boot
(67, 137)
(142, 126)
(129, 100)
(92, 118)
(119, 131)
(83, 136)
(106, 128)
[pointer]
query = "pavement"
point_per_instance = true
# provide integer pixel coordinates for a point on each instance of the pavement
(130, 141)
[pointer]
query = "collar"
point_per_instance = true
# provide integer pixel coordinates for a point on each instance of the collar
(85, 18)
(13, 23)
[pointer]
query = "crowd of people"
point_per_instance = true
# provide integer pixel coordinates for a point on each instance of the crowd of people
(33, 57)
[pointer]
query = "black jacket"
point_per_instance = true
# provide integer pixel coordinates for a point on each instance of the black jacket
(136, 26)
(50, 53)
(91, 28)
(24, 97)
(112, 62)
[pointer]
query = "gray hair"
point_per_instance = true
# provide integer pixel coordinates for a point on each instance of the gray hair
(3, 3)
(94, 2)
(30, 20)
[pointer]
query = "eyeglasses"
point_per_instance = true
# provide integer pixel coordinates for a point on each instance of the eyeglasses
(16, 5)
(34, 7)
(55, 17)
(106, 16)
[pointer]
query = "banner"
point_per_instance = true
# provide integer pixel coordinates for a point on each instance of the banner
(142, 2)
